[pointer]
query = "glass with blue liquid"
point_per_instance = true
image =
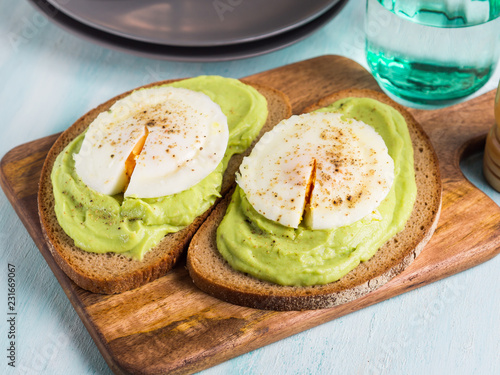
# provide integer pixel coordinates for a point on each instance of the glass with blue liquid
(428, 51)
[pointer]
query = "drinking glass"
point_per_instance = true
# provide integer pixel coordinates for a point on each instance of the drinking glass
(428, 51)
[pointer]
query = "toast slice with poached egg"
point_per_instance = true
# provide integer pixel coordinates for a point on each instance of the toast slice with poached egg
(212, 273)
(113, 272)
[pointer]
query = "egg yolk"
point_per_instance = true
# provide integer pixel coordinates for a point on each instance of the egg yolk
(309, 189)
(130, 162)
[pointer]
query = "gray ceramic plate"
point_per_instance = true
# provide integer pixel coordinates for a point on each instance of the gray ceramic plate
(194, 23)
(192, 54)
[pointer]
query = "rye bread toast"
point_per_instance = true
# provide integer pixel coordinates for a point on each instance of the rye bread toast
(212, 274)
(114, 273)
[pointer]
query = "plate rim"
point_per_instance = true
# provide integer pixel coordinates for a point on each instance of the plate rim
(185, 54)
(250, 38)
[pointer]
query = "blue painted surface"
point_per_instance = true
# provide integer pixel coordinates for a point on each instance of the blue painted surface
(49, 78)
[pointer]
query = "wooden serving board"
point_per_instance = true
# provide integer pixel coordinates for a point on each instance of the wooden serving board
(169, 326)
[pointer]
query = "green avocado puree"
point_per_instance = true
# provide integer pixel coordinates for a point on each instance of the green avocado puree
(301, 257)
(131, 226)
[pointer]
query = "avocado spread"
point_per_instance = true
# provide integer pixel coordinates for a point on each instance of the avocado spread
(302, 257)
(131, 226)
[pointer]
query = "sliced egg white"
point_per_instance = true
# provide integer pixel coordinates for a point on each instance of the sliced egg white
(320, 168)
(155, 142)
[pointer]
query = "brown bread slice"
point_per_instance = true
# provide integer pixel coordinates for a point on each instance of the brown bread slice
(113, 273)
(212, 274)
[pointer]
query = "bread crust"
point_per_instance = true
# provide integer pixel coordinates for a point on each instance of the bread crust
(114, 273)
(212, 274)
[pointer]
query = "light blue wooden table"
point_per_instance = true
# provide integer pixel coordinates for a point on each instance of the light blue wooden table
(49, 78)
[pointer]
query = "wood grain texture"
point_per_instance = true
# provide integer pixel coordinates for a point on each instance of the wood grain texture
(169, 326)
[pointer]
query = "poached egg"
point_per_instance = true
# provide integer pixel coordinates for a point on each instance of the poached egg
(318, 167)
(155, 142)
